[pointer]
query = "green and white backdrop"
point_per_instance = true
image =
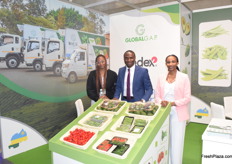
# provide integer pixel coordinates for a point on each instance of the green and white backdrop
(34, 106)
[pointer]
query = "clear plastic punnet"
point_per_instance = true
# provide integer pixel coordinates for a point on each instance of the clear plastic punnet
(96, 120)
(148, 109)
(111, 106)
(132, 125)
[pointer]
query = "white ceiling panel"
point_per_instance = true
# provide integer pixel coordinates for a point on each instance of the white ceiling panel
(115, 6)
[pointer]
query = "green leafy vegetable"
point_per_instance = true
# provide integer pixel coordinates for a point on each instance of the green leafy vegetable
(120, 150)
(214, 32)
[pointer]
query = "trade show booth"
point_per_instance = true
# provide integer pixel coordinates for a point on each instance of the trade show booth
(48, 48)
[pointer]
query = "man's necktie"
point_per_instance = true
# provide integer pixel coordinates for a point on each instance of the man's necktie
(128, 86)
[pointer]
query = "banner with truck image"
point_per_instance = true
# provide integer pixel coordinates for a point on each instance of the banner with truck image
(33, 48)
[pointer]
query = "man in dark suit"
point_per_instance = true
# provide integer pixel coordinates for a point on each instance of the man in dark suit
(133, 83)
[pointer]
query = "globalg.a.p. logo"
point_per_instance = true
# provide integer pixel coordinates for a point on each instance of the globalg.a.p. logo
(140, 35)
(140, 30)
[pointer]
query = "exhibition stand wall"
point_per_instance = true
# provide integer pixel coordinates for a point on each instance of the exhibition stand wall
(37, 106)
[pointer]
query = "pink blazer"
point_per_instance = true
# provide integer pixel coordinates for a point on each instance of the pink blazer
(182, 92)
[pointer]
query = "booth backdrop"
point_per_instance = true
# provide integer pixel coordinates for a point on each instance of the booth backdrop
(37, 105)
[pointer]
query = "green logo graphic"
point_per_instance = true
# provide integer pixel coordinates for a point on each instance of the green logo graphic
(140, 37)
(140, 30)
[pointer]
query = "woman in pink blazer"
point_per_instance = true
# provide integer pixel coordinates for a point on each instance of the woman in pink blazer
(175, 88)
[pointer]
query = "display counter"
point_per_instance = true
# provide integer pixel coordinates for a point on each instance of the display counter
(151, 146)
(217, 142)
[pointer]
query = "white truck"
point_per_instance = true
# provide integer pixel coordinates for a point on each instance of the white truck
(43, 49)
(11, 47)
(82, 61)
(53, 55)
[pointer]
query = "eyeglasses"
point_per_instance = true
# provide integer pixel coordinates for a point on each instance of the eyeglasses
(100, 62)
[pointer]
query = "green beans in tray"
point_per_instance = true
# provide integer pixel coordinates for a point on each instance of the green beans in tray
(214, 32)
(213, 74)
(147, 109)
(111, 105)
(215, 52)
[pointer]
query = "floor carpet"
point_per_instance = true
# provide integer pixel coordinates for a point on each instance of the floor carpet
(192, 149)
(193, 143)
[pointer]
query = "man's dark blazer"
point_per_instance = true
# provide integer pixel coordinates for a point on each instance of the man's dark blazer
(111, 80)
(142, 87)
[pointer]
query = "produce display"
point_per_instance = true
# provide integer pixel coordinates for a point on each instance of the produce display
(128, 120)
(96, 120)
(111, 143)
(115, 144)
(147, 109)
(79, 136)
(118, 142)
(140, 122)
(126, 124)
(120, 150)
(111, 106)
(213, 74)
(105, 145)
(131, 125)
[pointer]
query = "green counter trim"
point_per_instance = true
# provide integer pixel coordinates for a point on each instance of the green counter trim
(8, 83)
(135, 155)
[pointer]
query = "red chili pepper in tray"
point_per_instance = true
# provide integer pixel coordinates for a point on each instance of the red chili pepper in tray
(79, 136)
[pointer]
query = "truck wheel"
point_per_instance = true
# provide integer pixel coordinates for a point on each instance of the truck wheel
(72, 78)
(37, 66)
(12, 62)
(57, 69)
